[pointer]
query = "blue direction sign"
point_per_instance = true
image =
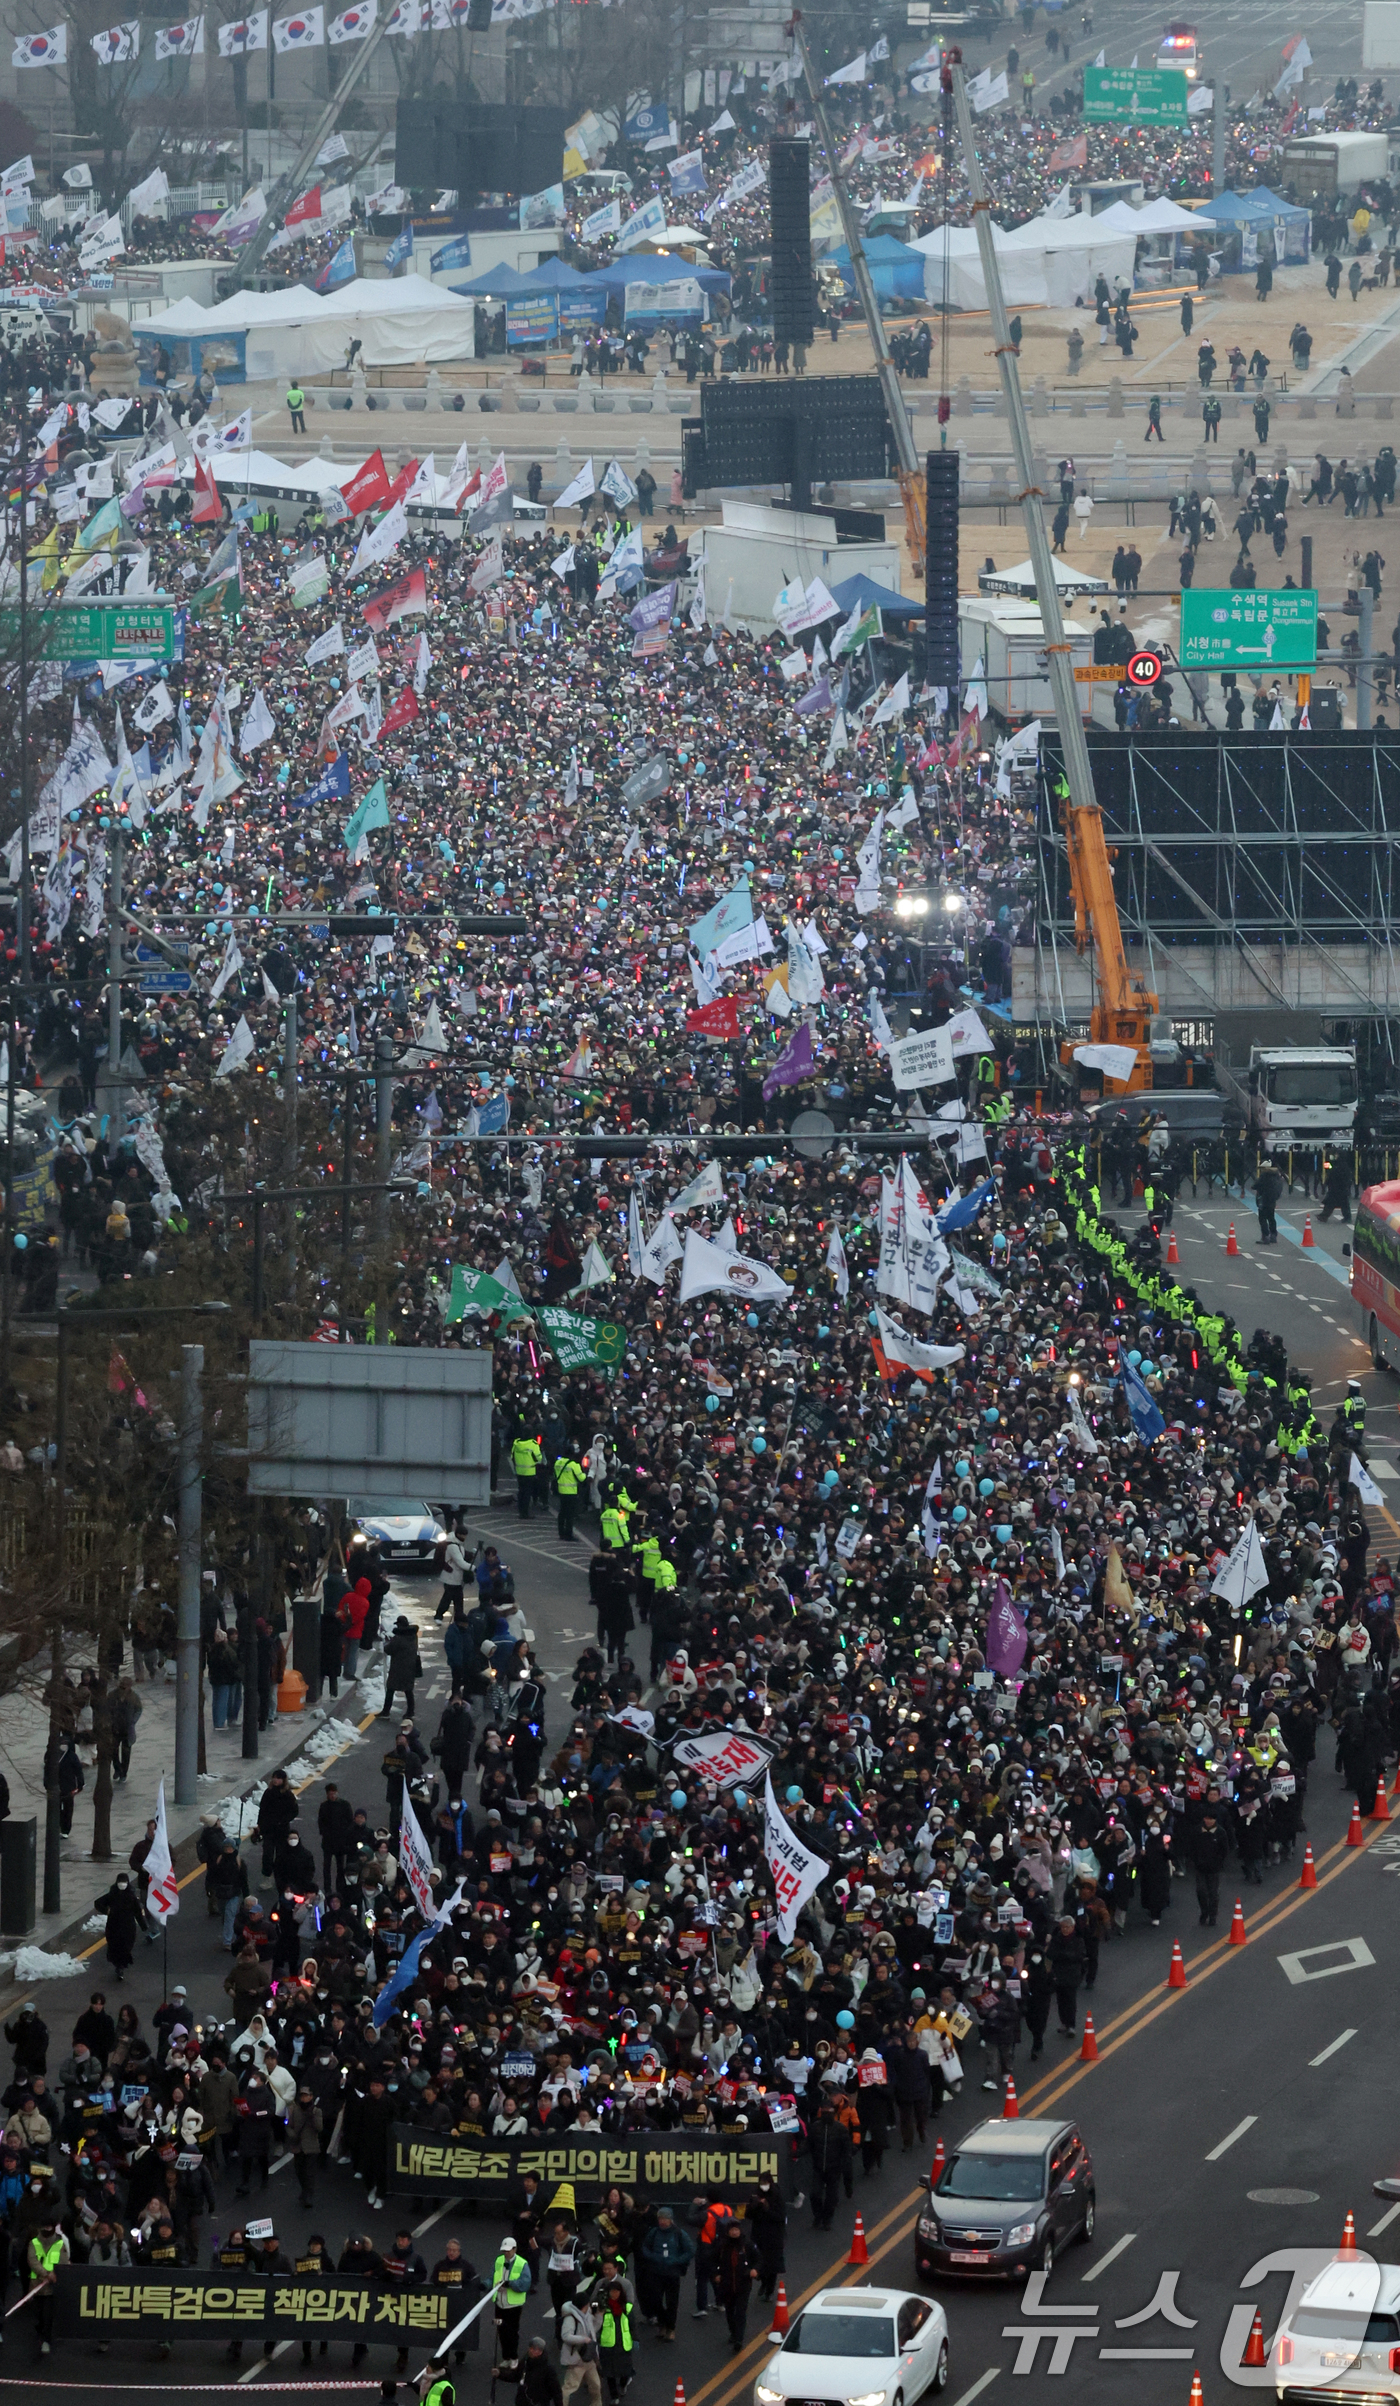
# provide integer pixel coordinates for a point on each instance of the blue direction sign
(166, 981)
(147, 952)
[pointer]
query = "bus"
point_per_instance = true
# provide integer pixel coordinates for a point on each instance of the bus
(1375, 1272)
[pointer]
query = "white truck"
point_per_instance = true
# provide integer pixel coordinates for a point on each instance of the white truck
(1295, 1095)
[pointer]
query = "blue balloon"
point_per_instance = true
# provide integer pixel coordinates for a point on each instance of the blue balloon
(21, 1242)
(959, 1512)
(991, 1416)
(678, 1800)
(830, 1478)
(751, 1319)
(1135, 1358)
(845, 2020)
(1003, 1533)
(986, 1487)
(872, 1319)
(1148, 1370)
(760, 1445)
(741, 1797)
(963, 1469)
(823, 1332)
(712, 1403)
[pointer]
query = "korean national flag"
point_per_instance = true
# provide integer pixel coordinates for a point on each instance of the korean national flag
(42, 49)
(307, 31)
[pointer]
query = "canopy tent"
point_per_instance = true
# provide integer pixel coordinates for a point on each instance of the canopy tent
(259, 474)
(860, 592)
(895, 268)
(1161, 216)
(648, 268)
(1051, 261)
(494, 283)
(397, 320)
(1022, 580)
(1262, 211)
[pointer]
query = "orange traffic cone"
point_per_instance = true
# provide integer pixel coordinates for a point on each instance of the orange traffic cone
(940, 2158)
(1176, 1977)
(1254, 2345)
(1172, 1254)
(1309, 1873)
(1197, 2397)
(680, 2394)
(860, 2253)
(1089, 2052)
(1380, 1810)
(1348, 2246)
(780, 2308)
(1356, 1836)
(1231, 1243)
(1010, 2110)
(1308, 1237)
(1239, 1936)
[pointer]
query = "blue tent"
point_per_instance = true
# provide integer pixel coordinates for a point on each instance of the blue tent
(1262, 209)
(635, 269)
(493, 283)
(897, 271)
(861, 592)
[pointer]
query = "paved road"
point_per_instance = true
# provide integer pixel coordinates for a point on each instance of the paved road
(1263, 2077)
(1241, 41)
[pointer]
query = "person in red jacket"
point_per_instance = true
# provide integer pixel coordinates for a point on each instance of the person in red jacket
(355, 1607)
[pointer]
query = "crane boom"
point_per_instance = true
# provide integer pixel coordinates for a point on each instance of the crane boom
(1123, 1008)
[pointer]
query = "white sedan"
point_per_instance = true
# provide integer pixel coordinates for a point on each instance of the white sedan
(859, 2347)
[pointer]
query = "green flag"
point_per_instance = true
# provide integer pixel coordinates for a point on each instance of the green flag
(474, 1287)
(102, 523)
(580, 1342)
(855, 632)
(311, 587)
(372, 812)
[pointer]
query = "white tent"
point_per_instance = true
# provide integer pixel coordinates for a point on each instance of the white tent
(1161, 216)
(296, 332)
(1022, 580)
(1052, 261)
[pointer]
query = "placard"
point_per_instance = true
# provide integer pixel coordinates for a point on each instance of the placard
(657, 2163)
(160, 2300)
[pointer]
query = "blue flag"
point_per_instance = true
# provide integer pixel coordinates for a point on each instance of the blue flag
(726, 918)
(493, 1118)
(333, 784)
(400, 248)
(339, 268)
(965, 1208)
(456, 253)
(405, 1971)
(1143, 1412)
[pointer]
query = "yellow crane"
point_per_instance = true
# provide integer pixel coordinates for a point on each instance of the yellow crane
(1124, 1008)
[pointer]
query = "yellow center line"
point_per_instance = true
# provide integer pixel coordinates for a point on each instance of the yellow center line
(1116, 2033)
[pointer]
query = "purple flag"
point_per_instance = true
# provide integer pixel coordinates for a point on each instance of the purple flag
(655, 611)
(1006, 1635)
(794, 1062)
(819, 698)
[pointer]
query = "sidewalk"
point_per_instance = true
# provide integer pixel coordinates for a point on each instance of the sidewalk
(301, 1743)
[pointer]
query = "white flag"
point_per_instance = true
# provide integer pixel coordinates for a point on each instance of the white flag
(837, 1264)
(382, 541)
(229, 967)
(1363, 1482)
(238, 1050)
(797, 1873)
(910, 1353)
(1242, 1573)
(706, 1187)
(578, 489)
(707, 1270)
(1083, 1433)
(636, 1248)
(257, 723)
(662, 1247)
(326, 646)
(895, 703)
(415, 1860)
(156, 706)
(163, 1893)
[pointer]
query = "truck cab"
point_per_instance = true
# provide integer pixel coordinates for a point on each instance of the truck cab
(1180, 47)
(1298, 1095)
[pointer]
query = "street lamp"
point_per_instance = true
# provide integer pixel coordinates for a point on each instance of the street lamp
(187, 1620)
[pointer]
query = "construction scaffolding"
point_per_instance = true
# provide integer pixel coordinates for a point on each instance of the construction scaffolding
(1256, 876)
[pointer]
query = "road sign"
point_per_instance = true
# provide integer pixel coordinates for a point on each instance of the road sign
(166, 981)
(176, 944)
(1137, 95)
(1144, 668)
(94, 631)
(1102, 672)
(1229, 629)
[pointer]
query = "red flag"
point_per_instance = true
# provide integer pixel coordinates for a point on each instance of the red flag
(308, 206)
(368, 488)
(715, 1019)
(207, 503)
(1074, 153)
(401, 711)
(408, 598)
(399, 489)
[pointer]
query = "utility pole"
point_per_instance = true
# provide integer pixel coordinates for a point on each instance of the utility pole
(187, 1632)
(383, 1130)
(289, 1074)
(114, 962)
(1217, 139)
(1365, 671)
(1059, 667)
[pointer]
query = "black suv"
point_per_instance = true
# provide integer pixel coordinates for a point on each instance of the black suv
(1011, 2197)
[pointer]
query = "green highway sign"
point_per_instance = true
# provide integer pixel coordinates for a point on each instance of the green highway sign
(1142, 95)
(1268, 630)
(94, 631)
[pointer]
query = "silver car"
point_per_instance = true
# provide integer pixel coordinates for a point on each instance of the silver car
(1341, 2342)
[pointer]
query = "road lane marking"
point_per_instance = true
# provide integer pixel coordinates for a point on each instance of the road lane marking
(1114, 2252)
(1384, 2224)
(1228, 2142)
(435, 2216)
(978, 2386)
(1335, 2049)
(1359, 1958)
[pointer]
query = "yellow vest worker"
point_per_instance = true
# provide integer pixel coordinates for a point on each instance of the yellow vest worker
(569, 1477)
(526, 1459)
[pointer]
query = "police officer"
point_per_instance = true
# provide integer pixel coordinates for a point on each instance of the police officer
(1354, 1414)
(526, 1458)
(569, 1476)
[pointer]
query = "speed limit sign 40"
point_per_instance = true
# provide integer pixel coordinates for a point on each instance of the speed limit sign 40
(1144, 668)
